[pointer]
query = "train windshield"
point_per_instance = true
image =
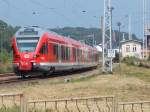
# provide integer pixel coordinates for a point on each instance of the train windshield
(27, 44)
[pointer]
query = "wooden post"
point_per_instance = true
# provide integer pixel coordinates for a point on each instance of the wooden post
(22, 103)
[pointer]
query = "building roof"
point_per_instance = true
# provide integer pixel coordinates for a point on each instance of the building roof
(127, 41)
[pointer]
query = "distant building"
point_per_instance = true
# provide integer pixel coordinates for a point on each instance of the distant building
(131, 48)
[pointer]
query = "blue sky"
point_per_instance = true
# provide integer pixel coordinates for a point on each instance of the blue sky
(61, 13)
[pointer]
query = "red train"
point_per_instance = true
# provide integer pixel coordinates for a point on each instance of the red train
(36, 49)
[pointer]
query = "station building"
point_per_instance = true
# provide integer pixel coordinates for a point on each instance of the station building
(131, 48)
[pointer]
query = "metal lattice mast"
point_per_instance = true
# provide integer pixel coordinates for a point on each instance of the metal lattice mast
(107, 36)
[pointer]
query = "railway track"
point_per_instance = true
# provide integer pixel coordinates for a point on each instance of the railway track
(9, 78)
(6, 75)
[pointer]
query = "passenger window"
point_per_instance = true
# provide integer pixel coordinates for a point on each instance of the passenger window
(63, 52)
(74, 54)
(67, 53)
(56, 53)
(44, 49)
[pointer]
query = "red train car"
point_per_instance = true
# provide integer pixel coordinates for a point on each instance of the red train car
(36, 49)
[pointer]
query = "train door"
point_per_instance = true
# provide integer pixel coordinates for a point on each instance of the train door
(56, 48)
(50, 52)
(59, 53)
(44, 51)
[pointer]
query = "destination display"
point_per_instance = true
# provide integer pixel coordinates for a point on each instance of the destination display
(28, 33)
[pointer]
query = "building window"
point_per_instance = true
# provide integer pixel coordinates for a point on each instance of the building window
(127, 48)
(134, 48)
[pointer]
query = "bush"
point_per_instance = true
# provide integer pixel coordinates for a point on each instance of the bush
(131, 60)
(136, 62)
(6, 68)
(116, 59)
(5, 57)
(144, 63)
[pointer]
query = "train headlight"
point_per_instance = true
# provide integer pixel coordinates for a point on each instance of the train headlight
(36, 56)
(17, 56)
(34, 64)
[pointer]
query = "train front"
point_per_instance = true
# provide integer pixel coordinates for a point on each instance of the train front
(24, 46)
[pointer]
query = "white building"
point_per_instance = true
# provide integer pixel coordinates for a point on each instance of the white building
(131, 48)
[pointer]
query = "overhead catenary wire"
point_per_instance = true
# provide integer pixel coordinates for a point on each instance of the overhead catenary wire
(51, 9)
(19, 10)
(75, 12)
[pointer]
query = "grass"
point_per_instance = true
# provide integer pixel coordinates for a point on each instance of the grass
(132, 85)
(12, 109)
(88, 78)
(7, 67)
(134, 71)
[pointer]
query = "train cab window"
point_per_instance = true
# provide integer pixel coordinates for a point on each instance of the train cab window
(44, 49)
(27, 44)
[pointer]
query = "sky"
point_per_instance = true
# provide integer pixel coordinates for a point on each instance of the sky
(75, 13)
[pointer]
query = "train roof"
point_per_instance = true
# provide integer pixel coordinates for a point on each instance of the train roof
(35, 31)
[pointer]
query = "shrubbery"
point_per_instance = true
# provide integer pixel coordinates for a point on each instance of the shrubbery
(116, 59)
(136, 62)
(131, 60)
(5, 62)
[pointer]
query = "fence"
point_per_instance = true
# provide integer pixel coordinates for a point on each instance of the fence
(88, 104)
(143, 106)
(12, 102)
(17, 103)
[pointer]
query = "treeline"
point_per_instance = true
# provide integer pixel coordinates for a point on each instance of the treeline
(86, 34)
(6, 33)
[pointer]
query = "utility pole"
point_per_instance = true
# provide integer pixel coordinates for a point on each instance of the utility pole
(107, 36)
(144, 29)
(119, 26)
(101, 30)
(93, 38)
(129, 27)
